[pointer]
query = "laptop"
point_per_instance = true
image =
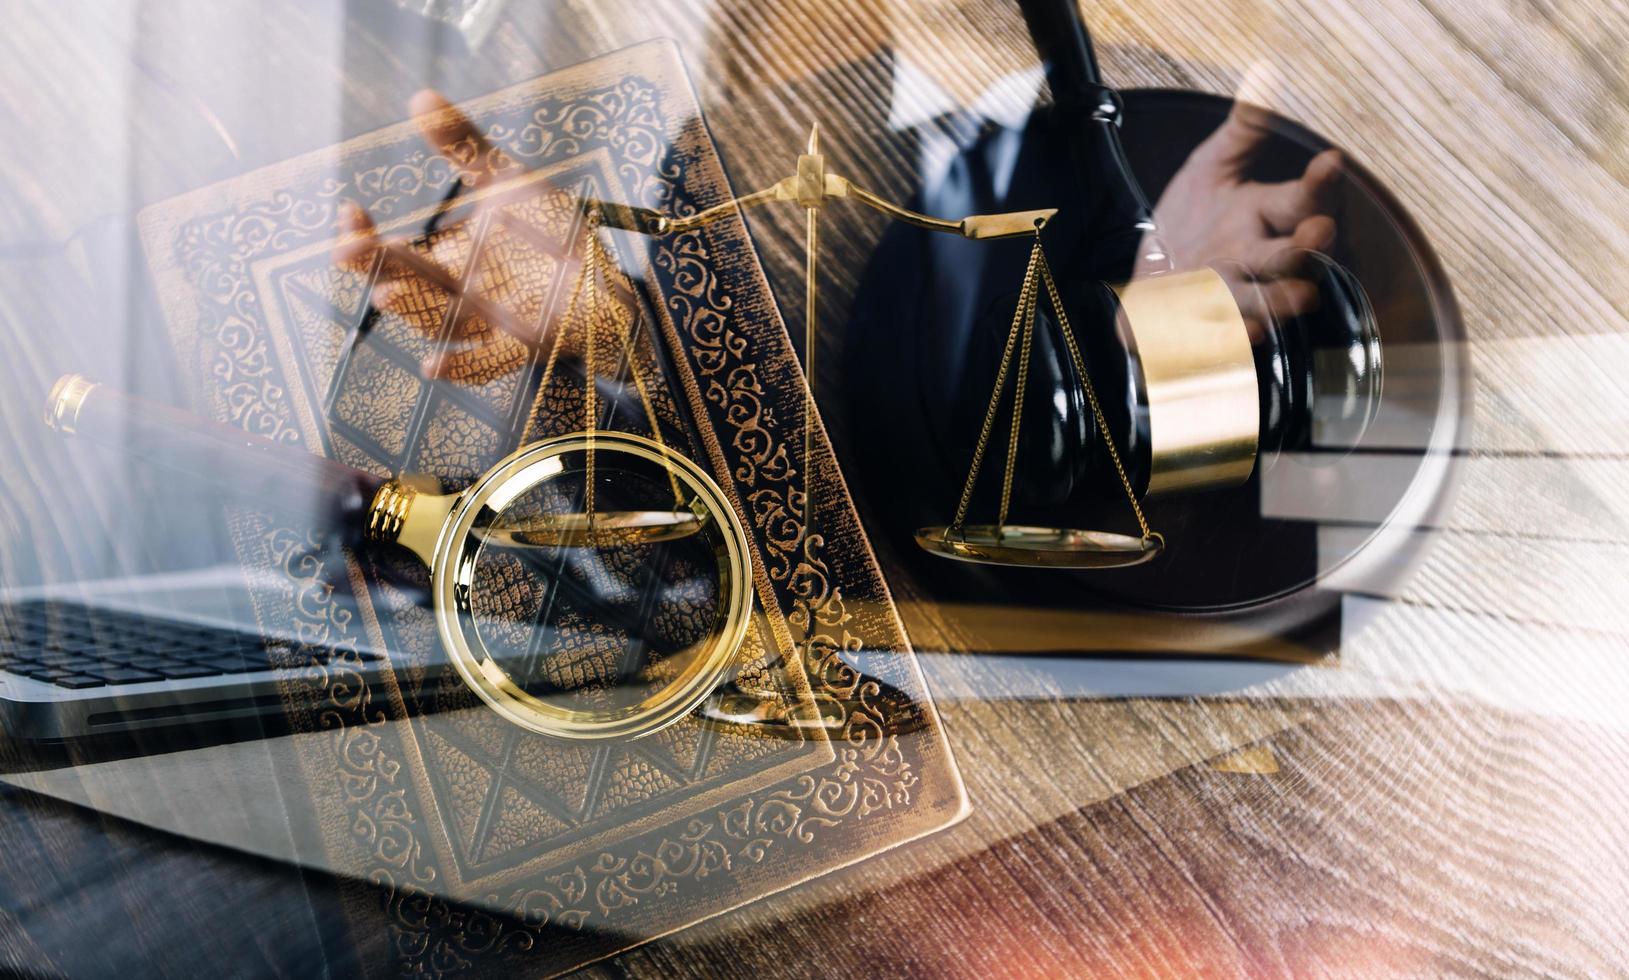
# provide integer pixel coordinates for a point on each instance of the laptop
(148, 652)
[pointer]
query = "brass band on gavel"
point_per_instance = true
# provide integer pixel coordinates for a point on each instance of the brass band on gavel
(1198, 379)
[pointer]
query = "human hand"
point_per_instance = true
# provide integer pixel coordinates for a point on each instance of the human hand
(495, 329)
(1210, 214)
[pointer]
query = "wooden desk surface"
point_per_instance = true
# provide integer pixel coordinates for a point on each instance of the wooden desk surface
(1451, 799)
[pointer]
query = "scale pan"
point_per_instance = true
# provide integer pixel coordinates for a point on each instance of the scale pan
(604, 529)
(1039, 547)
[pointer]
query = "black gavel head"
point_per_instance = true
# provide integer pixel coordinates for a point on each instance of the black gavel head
(1320, 371)
(1200, 380)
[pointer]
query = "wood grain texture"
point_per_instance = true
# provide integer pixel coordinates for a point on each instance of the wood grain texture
(1454, 803)
(1207, 873)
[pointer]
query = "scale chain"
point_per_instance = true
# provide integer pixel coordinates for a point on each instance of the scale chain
(1091, 393)
(584, 309)
(1019, 387)
(995, 396)
(1037, 273)
(590, 381)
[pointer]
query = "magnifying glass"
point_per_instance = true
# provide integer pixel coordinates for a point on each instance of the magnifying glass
(591, 586)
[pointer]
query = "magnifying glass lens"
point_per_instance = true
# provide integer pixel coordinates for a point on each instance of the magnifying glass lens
(597, 603)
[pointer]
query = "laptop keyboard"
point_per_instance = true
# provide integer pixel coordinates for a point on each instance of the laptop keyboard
(76, 646)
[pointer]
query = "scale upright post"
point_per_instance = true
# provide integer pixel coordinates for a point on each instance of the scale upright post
(811, 193)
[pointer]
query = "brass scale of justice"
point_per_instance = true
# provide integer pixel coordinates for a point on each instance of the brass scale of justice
(1191, 341)
(1000, 543)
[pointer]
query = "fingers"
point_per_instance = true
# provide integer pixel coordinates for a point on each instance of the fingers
(488, 339)
(450, 133)
(1264, 302)
(405, 271)
(441, 365)
(478, 357)
(359, 240)
(1285, 255)
(1269, 287)
(426, 268)
(356, 251)
(1284, 206)
(1230, 148)
(398, 291)
(361, 244)
(1288, 298)
(1272, 302)
(1316, 234)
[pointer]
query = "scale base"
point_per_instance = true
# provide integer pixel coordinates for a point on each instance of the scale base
(1038, 547)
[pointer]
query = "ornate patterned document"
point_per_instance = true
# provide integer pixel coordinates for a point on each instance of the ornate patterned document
(468, 841)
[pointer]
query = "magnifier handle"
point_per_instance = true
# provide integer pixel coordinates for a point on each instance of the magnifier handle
(275, 475)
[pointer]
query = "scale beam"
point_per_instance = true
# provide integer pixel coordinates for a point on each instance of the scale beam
(811, 187)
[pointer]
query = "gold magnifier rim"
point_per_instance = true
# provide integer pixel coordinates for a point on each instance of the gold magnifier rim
(1040, 547)
(452, 568)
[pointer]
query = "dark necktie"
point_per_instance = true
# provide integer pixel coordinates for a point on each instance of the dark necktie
(968, 184)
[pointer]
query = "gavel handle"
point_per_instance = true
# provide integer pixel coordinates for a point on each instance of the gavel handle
(277, 476)
(1119, 227)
